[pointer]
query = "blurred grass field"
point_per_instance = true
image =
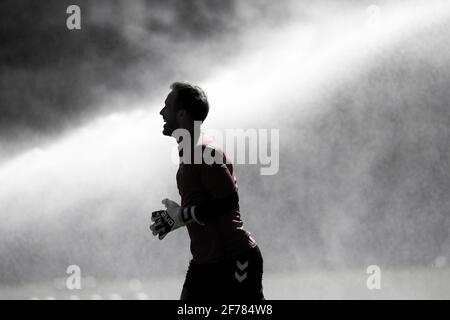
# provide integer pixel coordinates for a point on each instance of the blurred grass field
(423, 283)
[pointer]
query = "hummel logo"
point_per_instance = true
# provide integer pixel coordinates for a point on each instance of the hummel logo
(241, 267)
(240, 278)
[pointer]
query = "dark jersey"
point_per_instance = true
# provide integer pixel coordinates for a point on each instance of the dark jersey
(223, 235)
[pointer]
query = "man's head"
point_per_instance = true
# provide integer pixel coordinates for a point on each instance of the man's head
(185, 104)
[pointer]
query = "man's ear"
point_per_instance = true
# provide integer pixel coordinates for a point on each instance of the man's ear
(181, 114)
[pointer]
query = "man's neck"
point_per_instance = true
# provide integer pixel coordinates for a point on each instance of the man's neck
(194, 133)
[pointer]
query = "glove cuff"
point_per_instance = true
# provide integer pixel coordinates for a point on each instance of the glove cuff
(188, 215)
(195, 217)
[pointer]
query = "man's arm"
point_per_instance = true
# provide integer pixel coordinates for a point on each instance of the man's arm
(221, 185)
(206, 209)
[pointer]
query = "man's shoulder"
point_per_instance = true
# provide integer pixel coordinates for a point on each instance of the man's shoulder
(206, 141)
(210, 148)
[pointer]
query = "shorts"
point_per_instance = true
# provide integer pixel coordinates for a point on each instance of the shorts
(238, 278)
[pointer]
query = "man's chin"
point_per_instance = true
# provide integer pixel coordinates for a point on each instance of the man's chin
(167, 131)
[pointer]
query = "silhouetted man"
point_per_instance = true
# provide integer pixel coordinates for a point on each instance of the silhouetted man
(226, 261)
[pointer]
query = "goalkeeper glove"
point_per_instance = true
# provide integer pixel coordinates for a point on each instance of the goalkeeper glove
(172, 218)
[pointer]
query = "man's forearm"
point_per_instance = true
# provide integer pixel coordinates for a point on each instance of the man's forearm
(203, 211)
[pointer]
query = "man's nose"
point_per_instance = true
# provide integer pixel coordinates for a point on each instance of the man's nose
(162, 112)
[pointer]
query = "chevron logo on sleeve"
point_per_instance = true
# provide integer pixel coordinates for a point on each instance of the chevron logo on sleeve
(241, 273)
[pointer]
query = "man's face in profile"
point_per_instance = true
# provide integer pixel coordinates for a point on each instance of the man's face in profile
(169, 115)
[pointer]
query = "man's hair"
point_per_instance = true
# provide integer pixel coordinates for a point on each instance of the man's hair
(191, 98)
